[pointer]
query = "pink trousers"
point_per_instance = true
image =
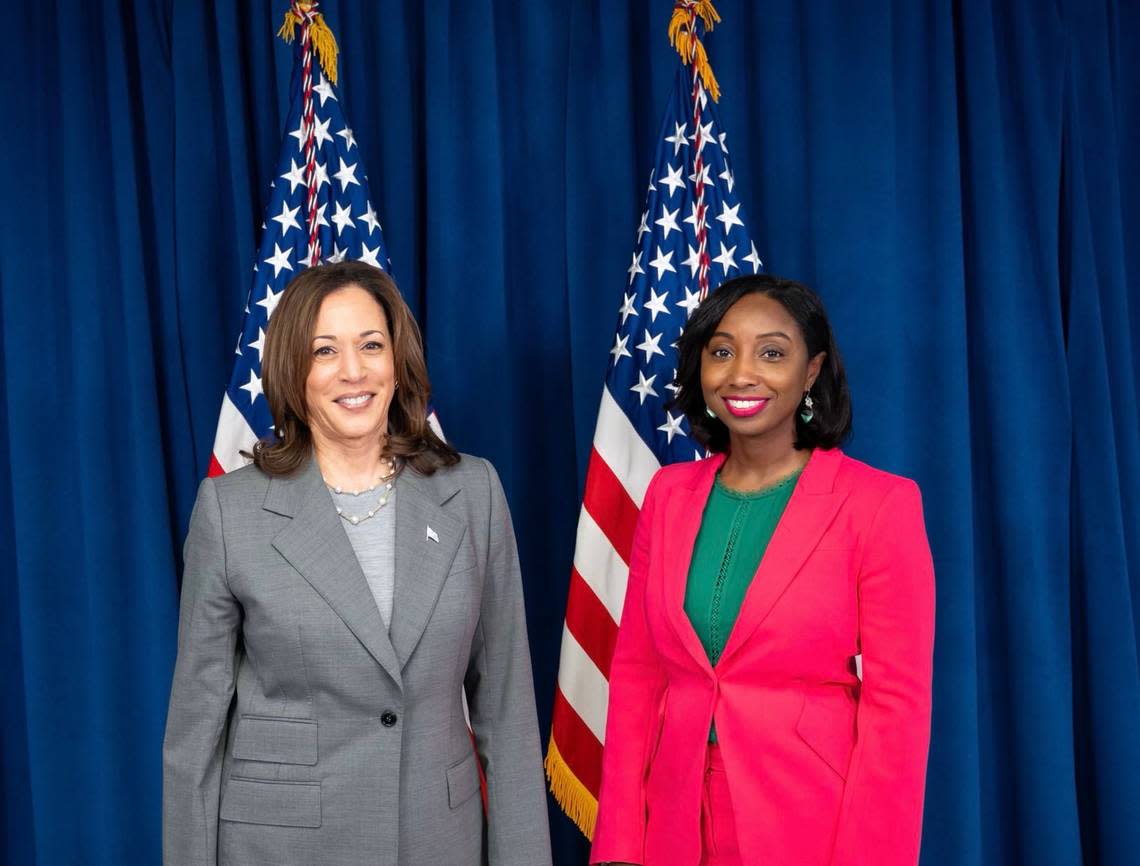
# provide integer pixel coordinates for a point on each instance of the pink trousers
(718, 827)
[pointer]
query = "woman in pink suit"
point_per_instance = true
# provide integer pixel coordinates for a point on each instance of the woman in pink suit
(739, 730)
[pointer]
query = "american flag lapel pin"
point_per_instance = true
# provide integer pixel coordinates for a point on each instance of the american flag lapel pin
(432, 536)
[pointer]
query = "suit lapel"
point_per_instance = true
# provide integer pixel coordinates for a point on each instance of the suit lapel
(809, 513)
(427, 538)
(316, 545)
(683, 512)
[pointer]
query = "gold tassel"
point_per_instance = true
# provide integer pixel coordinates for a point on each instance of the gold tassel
(324, 43)
(682, 41)
(571, 795)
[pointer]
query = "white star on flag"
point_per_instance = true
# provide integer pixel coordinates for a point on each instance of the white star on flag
(694, 260)
(321, 132)
(349, 138)
(673, 180)
(656, 304)
(644, 387)
(346, 175)
(342, 219)
(704, 175)
(619, 350)
(725, 259)
(672, 425)
(635, 266)
(650, 346)
(691, 302)
(259, 343)
(324, 90)
(668, 221)
(295, 176)
(706, 135)
(370, 256)
(644, 227)
(677, 139)
(279, 260)
(753, 258)
(728, 216)
(727, 177)
(253, 386)
(369, 219)
(287, 218)
(663, 262)
(270, 302)
(627, 309)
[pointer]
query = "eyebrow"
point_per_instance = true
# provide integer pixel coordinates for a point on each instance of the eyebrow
(362, 333)
(758, 336)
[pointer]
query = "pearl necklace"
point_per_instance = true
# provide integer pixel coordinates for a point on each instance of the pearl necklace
(386, 480)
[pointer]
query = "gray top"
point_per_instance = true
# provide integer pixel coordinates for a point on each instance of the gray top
(374, 542)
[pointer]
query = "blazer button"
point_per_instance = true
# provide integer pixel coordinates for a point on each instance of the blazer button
(388, 718)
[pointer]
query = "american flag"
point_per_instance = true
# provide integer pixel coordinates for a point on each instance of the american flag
(691, 185)
(319, 210)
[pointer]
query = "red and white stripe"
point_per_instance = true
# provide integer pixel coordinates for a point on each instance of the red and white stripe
(621, 466)
(233, 436)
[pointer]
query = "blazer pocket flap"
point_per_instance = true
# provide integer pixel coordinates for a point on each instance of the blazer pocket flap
(281, 804)
(462, 781)
(276, 740)
(829, 732)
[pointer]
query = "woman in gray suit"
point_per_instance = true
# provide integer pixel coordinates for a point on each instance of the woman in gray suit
(340, 596)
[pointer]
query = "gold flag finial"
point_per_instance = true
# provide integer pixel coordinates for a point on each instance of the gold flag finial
(324, 43)
(683, 35)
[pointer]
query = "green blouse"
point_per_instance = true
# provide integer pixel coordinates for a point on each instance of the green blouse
(735, 530)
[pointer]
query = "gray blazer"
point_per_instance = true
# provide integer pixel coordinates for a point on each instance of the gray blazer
(301, 731)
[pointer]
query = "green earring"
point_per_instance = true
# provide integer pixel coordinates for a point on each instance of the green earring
(710, 412)
(808, 412)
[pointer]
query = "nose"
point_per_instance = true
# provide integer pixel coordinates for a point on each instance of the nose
(744, 371)
(351, 369)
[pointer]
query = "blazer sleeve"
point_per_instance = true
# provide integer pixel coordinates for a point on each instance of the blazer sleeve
(881, 816)
(637, 682)
(208, 627)
(500, 699)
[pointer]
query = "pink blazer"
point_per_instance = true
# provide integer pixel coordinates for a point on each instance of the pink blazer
(823, 770)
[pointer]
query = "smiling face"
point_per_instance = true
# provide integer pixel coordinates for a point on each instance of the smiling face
(352, 378)
(755, 369)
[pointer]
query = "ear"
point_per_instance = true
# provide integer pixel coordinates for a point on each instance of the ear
(814, 366)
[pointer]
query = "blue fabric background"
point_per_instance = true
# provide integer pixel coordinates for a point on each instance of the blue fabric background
(959, 180)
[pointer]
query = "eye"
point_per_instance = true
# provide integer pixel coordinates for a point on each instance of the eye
(771, 354)
(324, 351)
(373, 346)
(720, 352)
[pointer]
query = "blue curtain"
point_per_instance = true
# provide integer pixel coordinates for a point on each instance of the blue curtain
(957, 179)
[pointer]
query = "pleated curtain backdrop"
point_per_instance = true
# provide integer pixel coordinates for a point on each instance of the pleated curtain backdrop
(958, 180)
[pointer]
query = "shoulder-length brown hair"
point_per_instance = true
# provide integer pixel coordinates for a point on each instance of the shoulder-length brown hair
(289, 356)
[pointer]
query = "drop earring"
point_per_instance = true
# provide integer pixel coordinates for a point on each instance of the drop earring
(808, 412)
(710, 412)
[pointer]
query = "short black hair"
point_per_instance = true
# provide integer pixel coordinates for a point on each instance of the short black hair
(832, 401)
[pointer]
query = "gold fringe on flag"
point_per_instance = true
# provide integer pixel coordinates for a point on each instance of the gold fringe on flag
(571, 795)
(686, 46)
(324, 43)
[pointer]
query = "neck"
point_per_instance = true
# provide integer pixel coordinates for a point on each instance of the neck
(756, 463)
(351, 465)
